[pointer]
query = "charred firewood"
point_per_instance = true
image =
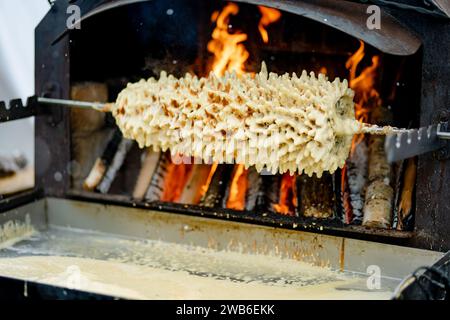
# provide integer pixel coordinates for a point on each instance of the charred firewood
(117, 161)
(356, 172)
(269, 192)
(169, 179)
(155, 189)
(145, 174)
(243, 189)
(192, 191)
(253, 188)
(316, 196)
(344, 192)
(378, 205)
(101, 164)
(217, 188)
(379, 192)
(287, 198)
(406, 197)
(379, 195)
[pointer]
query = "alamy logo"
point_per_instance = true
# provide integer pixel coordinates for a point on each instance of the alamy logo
(73, 21)
(374, 280)
(374, 19)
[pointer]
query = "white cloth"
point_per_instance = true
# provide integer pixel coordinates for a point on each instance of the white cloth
(18, 18)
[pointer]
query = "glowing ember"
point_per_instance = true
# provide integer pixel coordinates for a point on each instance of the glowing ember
(269, 16)
(238, 188)
(288, 195)
(229, 52)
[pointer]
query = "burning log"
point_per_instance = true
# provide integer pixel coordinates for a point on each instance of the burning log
(217, 188)
(379, 193)
(117, 161)
(316, 196)
(97, 172)
(406, 197)
(378, 205)
(254, 185)
(145, 175)
(356, 178)
(236, 192)
(169, 180)
(193, 190)
(175, 180)
(347, 210)
(287, 199)
(155, 189)
(269, 192)
(244, 189)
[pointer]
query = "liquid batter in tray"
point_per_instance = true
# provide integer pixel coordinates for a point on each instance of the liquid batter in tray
(147, 269)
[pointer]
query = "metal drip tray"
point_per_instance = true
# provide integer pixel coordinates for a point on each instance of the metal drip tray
(113, 251)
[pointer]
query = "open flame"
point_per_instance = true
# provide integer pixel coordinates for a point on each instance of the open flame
(288, 195)
(268, 17)
(229, 55)
(205, 186)
(366, 96)
(175, 180)
(229, 52)
(238, 188)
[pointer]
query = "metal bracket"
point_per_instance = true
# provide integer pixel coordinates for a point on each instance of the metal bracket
(443, 132)
(17, 110)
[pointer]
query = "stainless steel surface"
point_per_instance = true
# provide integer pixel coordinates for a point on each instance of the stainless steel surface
(410, 143)
(73, 103)
(321, 250)
(200, 249)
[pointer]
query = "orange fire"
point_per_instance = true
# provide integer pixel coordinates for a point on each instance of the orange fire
(366, 96)
(229, 52)
(175, 180)
(238, 188)
(268, 17)
(205, 186)
(288, 195)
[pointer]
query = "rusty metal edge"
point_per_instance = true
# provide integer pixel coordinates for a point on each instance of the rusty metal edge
(334, 227)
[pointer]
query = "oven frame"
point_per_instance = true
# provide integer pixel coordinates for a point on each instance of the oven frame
(53, 140)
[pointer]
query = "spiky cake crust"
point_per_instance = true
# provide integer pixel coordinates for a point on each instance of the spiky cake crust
(281, 123)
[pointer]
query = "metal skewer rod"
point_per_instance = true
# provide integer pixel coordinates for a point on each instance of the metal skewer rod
(374, 129)
(106, 107)
(103, 107)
